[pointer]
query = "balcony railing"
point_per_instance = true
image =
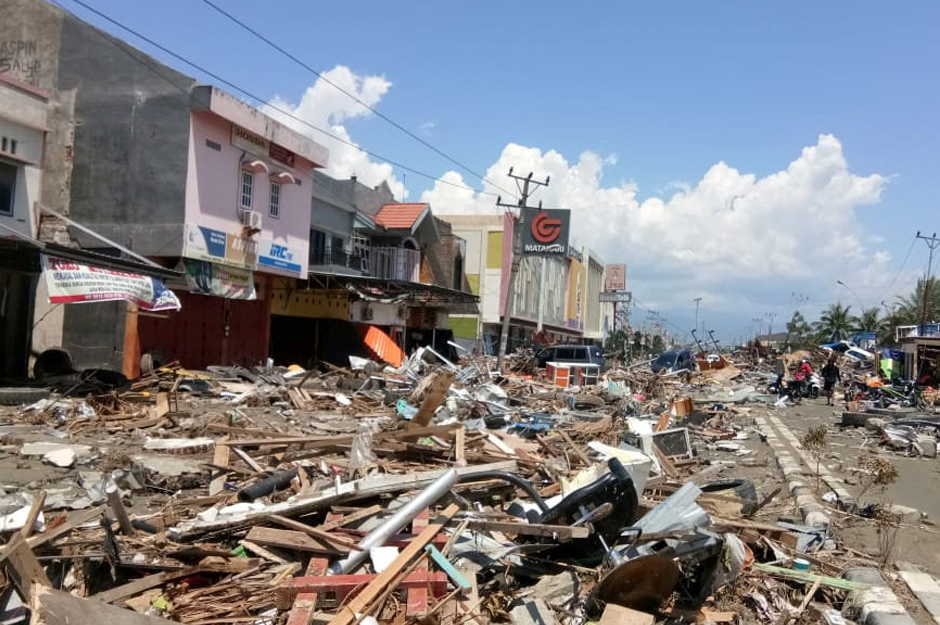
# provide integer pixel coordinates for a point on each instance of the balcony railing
(396, 263)
(336, 257)
(390, 263)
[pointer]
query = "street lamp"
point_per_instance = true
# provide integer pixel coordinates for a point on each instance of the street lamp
(857, 298)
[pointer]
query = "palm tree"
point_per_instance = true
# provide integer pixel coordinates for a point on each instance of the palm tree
(836, 320)
(797, 329)
(870, 320)
(912, 306)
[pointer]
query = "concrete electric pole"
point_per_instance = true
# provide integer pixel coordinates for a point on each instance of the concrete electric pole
(932, 243)
(516, 257)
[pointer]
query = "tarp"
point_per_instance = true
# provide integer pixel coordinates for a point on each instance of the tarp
(69, 282)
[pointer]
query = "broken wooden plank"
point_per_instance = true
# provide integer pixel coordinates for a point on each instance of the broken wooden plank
(561, 533)
(220, 458)
(34, 511)
(293, 540)
(348, 613)
(459, 441)
(311, 531)
(21, 566)
(352, 517)
(435, 396)
(668, 467)
(261, 551)
(54, 607)
(244, 457)
(144, 583)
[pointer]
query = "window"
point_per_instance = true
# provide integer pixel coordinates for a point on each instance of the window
(7, 186)
(248, 180)
(274, 208)
(317, 247)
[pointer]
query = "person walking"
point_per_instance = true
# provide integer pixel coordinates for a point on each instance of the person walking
(831, 375)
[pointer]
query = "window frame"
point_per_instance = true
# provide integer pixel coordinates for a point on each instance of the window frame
(10, 211)
(274, 200)
(249, 176)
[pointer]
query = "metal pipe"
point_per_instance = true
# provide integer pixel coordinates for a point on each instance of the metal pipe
(378, 537)
(277, 481)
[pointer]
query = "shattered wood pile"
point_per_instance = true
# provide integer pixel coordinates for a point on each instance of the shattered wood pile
(430, 493)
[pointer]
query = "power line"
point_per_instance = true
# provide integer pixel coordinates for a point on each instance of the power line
(903, 265)
(255, 97)
(348, 94)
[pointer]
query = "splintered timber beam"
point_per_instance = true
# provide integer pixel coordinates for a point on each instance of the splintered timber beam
(347, 614)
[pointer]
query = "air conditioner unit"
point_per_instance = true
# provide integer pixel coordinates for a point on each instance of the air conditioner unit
(367, 314)
(251, 219)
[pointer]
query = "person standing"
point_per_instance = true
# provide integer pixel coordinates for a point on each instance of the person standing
(831, 375)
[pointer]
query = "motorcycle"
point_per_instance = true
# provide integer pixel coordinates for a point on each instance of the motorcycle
(797, 390)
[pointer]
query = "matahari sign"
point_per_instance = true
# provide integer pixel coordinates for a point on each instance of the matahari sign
(545, 231)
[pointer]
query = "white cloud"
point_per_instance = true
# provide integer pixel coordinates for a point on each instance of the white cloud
(733, 238)
(324, 106)
(741, 242)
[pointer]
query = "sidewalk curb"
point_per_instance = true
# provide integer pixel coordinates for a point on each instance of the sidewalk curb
(813, 513)
(877, 605)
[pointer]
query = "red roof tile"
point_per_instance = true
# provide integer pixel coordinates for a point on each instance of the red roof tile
(399, 216)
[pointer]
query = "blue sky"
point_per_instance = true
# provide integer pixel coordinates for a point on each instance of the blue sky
(669, 89)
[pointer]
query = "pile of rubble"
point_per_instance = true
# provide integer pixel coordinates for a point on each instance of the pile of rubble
(435, 492)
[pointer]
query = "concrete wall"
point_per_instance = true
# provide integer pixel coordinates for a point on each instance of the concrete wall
(330, 219)
(131, 141)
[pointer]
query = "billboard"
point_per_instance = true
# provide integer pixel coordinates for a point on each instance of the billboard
(545, 231)
(615, 278)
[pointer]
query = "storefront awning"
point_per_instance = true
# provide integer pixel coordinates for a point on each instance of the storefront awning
(391, 291)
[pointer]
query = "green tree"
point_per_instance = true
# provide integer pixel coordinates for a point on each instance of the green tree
(638, 344)
(836, 319)
(657, 347)
(870, 320)
(911, 307)
(798, 329)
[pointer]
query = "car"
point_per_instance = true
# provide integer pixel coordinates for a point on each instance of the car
(674, 360)
(848, 348)
(588, 354)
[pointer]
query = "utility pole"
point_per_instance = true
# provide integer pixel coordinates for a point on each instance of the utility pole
(697, 301)
(516, 257)
(932, 243)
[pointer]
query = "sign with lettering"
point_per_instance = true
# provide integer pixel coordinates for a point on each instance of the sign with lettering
(215, 246)
(545, 231)
(211, 279)
(279, 255)
(615, 278)
(260, 146)
(69, 282)
(616, 297)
